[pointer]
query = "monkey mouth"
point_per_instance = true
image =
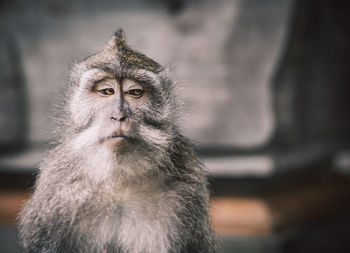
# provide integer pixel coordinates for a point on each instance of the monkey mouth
(119, 142)
(116, 136)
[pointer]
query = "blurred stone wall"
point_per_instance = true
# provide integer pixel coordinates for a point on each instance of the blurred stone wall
(13, 96)
(224, 55)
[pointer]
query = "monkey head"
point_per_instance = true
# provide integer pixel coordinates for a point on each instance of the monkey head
(122, 101)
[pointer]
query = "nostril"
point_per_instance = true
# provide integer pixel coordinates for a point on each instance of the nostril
(122, 118)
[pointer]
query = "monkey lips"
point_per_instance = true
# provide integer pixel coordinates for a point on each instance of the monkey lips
(119, 140)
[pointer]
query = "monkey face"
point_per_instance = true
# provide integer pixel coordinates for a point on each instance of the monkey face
(119, 100)
(122, 100)
(120, 115)
(115, 108)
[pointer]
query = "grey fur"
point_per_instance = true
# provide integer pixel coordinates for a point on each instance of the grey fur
(150, 196)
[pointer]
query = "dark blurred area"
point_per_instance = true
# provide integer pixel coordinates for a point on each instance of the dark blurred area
(265, 90)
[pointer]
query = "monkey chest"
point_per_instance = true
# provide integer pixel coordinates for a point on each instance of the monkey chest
(141, 223)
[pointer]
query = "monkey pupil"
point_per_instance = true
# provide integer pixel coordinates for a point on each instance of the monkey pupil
(136, 92)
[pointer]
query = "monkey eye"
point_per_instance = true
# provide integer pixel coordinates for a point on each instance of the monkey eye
(135, 92)
(106, 91)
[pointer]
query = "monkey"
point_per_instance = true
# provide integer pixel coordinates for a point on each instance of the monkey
(122, 178)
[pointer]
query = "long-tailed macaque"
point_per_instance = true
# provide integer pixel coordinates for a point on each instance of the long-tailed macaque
(122, 177)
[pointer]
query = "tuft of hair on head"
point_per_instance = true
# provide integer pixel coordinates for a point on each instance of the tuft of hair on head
(119, 38)
(118, 41)
(129, 57)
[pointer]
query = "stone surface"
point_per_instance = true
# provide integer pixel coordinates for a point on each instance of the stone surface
(224, 53)
(13, 97)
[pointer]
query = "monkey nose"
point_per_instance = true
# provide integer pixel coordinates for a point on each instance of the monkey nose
(120, 117)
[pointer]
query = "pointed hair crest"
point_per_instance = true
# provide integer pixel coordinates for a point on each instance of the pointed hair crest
(118, 41)
(128, 57)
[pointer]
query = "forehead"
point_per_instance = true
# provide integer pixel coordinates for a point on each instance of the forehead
(95, 75)
(125, 83)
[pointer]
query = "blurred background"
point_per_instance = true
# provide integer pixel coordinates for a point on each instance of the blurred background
(265, 86)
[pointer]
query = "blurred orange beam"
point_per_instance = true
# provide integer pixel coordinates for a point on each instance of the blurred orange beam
(10, 204)
(240, 216)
